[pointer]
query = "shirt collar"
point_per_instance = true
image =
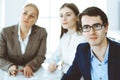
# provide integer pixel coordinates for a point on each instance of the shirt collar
(106, 54)
(19, 31)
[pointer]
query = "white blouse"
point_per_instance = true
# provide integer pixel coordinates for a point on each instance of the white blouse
(23, 43)
(67, 49)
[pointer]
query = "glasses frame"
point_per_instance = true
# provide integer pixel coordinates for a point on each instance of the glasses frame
(96, 27)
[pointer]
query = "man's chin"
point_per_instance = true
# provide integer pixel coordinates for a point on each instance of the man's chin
(93, 43)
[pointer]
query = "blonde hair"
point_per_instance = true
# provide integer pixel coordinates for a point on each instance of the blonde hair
(33, 5)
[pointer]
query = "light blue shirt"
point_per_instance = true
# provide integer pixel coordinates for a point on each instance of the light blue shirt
(99, 70)
(23, 43)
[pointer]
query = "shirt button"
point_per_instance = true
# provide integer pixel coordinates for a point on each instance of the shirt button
(100, 78)
(99, 64)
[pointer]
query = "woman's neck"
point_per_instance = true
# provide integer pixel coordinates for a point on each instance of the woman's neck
(24, 32)
(71, 31)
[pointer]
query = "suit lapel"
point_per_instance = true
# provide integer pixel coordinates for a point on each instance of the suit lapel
(87, 65)
(32, 38)
(31, 41)
(111, 61)
(85, 62)
(17, 43)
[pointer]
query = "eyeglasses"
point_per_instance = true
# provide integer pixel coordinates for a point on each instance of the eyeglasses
(96, 27)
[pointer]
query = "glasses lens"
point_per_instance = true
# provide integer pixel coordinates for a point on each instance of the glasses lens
(97, 26)
(86, 28)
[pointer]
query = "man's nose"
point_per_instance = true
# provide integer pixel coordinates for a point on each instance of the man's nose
(92, 30)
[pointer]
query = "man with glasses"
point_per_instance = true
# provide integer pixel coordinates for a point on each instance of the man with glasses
(99, 59)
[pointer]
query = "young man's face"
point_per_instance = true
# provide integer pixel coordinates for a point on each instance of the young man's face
(94, 37)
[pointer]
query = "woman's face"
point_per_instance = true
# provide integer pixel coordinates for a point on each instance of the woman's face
(28, 17)
(68, 18)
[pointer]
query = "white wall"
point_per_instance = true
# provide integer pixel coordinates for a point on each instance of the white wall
(0, 13)
(12, 11)
(49, 14)
(113, 11)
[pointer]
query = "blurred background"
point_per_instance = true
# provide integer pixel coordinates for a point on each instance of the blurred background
(49, 16)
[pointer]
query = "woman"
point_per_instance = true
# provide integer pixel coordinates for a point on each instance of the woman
(23, 44)
(69, 39)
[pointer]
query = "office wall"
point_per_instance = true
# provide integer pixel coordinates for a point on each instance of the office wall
(119, 14)
(113, 11)
(12, 11)
(0, 13)
(13, 8)
(49, 14)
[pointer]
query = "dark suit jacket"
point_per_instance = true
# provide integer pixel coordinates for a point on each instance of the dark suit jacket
(10, 49)
(81, 63)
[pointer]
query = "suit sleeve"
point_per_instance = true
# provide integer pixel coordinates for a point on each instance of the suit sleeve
(4, 62)
(74, 72)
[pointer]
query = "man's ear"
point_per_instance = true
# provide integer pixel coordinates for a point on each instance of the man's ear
(106, 28)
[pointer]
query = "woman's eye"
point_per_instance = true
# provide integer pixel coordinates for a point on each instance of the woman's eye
(25, 13)
(32, 16)
(61, 15)
(68, 14)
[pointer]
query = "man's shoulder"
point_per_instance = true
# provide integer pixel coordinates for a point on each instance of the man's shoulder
(114, 43)
(83, 47)
(114, 46)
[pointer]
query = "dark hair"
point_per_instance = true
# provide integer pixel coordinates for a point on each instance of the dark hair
(75, 9)
(95, 11)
